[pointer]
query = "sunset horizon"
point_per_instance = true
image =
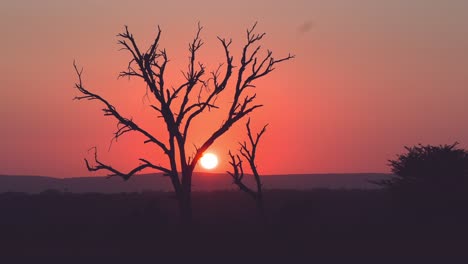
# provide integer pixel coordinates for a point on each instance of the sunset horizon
(149, 129)
(367, 80)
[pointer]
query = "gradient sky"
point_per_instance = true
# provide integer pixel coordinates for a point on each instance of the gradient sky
(370, 77)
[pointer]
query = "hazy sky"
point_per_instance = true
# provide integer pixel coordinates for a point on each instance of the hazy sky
(370, 77)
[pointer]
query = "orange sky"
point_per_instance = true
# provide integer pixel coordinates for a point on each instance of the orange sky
(369, 77)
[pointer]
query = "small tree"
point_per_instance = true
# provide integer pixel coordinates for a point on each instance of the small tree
(431, 170)
(248, 152)
(180, 106)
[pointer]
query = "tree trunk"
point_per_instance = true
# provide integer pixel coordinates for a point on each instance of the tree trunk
(259, 194)
(185, 208)
(260, 206)
(185, 199)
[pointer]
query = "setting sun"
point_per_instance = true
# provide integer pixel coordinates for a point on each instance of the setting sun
(209, 161)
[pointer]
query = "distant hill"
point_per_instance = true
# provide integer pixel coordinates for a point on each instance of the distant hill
(202, 182)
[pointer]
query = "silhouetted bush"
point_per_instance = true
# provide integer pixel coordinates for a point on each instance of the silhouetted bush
(440, 171)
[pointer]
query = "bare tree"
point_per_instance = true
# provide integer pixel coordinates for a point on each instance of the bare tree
(180, 105)
(248, 151)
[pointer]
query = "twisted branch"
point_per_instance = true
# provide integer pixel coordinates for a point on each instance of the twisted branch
(248, 151)
(125, 176)
(124, 124)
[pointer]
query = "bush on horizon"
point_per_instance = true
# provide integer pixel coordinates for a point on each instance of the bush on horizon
(426, 170)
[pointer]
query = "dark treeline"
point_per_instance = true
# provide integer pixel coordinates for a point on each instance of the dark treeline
(318, 222)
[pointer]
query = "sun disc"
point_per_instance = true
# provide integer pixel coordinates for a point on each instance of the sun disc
(209, 161)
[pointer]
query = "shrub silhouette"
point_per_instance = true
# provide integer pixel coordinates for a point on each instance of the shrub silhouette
(441, 170)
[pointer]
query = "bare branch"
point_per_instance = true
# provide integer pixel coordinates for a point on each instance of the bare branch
(257, 70)
(238, 174)
(248, 152)
(223, 129)
(145, 62)
(218, 88)
(192, 76)
(125, 124)
(115, 172)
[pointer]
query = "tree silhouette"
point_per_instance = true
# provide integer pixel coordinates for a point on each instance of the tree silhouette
(430, 170)
(179, 106)
(248, 152)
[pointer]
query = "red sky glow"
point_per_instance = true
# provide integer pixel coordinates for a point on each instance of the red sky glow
(369, 77)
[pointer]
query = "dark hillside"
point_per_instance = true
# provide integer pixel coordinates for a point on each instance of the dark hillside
(202, 182)
(300, 223)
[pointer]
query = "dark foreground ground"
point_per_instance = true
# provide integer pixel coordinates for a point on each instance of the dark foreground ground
(300, 224)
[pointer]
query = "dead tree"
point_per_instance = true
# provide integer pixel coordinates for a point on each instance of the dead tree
(248, 151)
(179, 106)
